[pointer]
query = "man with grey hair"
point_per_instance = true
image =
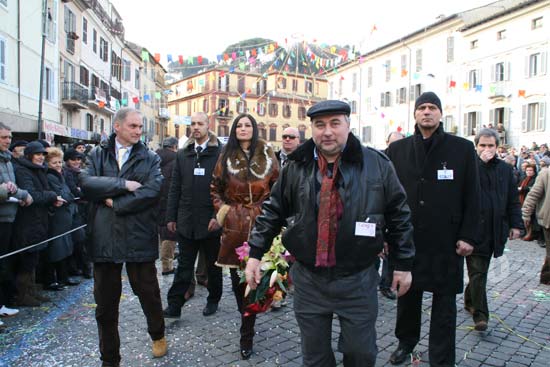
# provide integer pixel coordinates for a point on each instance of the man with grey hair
(500, 215)
(122, 182)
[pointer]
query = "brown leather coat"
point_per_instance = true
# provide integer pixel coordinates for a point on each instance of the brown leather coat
(243, 194)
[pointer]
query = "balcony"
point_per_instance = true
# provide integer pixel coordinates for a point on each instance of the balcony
(74, 96)
(100, 100)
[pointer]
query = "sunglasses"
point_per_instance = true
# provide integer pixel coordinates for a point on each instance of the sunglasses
(291, 137)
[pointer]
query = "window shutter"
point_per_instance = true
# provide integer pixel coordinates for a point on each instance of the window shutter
(524, 118)
(542, 116)
(465, 125)
(526, 68)
(506, 121)
(507, 71)
(66, 25)
(543, 63)
(492, 117)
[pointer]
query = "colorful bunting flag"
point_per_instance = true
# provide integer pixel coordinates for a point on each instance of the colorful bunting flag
(144, 56)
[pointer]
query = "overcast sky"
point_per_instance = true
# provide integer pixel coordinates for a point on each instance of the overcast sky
(206, 28)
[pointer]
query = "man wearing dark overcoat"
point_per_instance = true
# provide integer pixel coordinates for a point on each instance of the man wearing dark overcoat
(122, 182)
(440, 175)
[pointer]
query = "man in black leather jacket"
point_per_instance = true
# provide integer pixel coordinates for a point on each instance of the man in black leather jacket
(122, 181)
(335, 197)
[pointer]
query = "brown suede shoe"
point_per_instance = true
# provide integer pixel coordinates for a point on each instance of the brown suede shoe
(160, 347)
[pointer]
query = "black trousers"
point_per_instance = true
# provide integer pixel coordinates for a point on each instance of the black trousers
(442, 325)
(107, 291)
(317, 297)
(188, 250)
(475, 294)
(7, 271)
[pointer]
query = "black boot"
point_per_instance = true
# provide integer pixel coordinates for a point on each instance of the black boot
(247, 335)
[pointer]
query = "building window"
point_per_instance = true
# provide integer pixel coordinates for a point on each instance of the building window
(501, 35)
(499, 72)
(223, 107)
(260, 109)
(353, 106)
(241, 106)
(3, 57)
(136, 79)
(308, 87)
(415, 92)
(94, 41)
(241, 88)
(273, 109)
(474, 44)
(388, 70)
(418, 60)
(287, 111)
(51, 25)
(536, 64)
(471, 122)
(533, 117)
(536, 23)
(366, 136)
(369, 76)
(281, 82)
(126, 70)
(262, 133)
(70, 29)
(103, 49)
(385, 99)
(301, 113)
(85, 30)
(450, 49)
(49, 84)
(302, 132)
(272, 132)
(401, 95)
(205, 105)
(261, 87)
(116, 66)
(84, 76)
(294, 85)
(223, 130)
(354, 83)
(473, 79)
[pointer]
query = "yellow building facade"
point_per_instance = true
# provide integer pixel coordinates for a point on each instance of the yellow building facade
(276, 100)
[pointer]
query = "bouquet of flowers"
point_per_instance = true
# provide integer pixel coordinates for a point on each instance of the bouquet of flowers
(274, 282)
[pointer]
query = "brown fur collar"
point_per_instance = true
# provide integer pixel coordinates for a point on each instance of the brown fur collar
(260, 166)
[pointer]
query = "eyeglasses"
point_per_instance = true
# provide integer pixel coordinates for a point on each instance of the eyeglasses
(291, 137)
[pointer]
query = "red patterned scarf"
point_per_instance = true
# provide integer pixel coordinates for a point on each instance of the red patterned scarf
(330, 210)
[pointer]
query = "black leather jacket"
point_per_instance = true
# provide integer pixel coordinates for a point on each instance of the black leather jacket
(370, 191)
(127, 232)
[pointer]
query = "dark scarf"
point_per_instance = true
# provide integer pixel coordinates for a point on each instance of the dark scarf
(330, 211)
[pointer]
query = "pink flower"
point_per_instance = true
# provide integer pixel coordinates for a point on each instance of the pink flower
(243, 251)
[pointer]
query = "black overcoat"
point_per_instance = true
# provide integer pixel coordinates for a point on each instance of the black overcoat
(31, 222)
(189, 201)
(443, 211)
(61, 218)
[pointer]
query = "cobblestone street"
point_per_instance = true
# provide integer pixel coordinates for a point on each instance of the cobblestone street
(64, 332)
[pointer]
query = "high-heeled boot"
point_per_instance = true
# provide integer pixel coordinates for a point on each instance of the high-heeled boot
(247, 335)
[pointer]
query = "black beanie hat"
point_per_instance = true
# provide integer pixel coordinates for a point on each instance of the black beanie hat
(428, 97)
(72, 154)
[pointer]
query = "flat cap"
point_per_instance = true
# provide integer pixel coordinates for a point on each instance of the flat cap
(330, 107)
(169, 142)
(18, 143)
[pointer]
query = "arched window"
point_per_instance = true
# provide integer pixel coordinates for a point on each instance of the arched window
(272, 132)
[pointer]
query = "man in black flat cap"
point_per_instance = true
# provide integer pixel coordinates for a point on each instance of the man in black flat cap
(335, 197)
(17, 148)
(440, 175)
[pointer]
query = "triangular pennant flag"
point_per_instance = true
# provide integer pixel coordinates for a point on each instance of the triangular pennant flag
(135, 100)
(158, 95)
(180, 59)
(199, 59)
(169, 58)
(157, 57)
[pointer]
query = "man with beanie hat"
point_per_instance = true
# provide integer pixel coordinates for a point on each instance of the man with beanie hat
(440, 175)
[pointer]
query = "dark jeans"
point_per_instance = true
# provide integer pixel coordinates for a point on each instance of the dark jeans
(183, 276)
(107, 291)
(442, 325)
(353, 298)
(7, 275)
(475, 295)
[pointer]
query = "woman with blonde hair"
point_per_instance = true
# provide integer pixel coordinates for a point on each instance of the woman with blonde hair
(242, 180)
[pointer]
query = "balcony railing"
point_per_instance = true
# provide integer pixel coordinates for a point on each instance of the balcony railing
(74, 94)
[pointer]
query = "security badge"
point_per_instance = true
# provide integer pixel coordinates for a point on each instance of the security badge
(198, 171)
(365, 229)
(445, 174)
